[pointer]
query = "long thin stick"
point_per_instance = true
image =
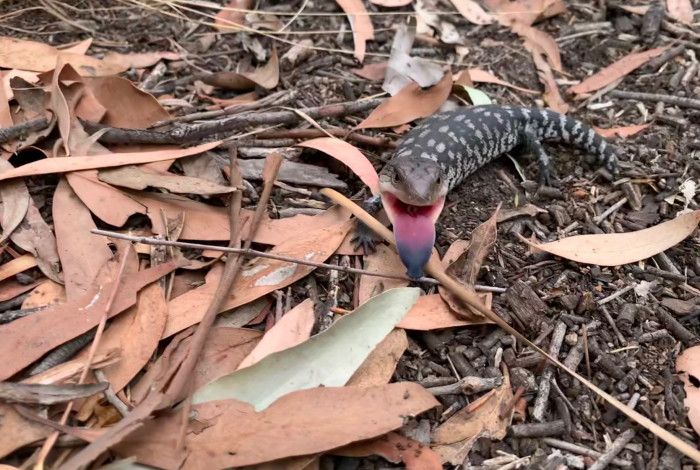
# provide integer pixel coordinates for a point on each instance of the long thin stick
(437, 271)
(262, 254)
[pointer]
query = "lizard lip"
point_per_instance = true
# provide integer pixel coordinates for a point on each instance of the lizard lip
(414, 230)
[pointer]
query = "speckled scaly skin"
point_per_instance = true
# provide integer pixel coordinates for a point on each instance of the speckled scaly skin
(464, 140)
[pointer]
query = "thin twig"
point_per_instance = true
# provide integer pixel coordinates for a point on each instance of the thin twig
(668, 99)
(262, 254)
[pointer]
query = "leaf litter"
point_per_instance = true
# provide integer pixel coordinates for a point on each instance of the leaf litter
(267, 314)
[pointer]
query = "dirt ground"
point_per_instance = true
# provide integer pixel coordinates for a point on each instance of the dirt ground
(628, 357)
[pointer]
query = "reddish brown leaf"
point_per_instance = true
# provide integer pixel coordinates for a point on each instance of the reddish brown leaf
(15, 266)
(395, 448)
(15, 203)
(623, 132)
(77, 163)
(234, 435)
(361, 24)
(472, 11)
(46, 293)
(409, 104)
(350, 155)
(140, 60)
(10, 289)
(688, 366)
(82, 254)
(266, 76)
(616, 70)
(681, 10)
(384, 260)
(431, 313)
(28, 338)
(541, 42)
(293, 328)
(391, 3)
(551, 90)
(261, 276)
(35, 236)
(17, 431)
(525, 11)
(5, 114)
(374, 71)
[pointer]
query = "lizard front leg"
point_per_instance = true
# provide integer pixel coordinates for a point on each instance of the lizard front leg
(365, 237)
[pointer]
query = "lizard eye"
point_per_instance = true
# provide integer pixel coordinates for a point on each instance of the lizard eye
(395, 178)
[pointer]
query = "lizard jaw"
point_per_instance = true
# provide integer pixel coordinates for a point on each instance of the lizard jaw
(414, 230)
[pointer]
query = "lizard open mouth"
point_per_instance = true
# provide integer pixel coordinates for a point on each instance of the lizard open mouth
(414, 230)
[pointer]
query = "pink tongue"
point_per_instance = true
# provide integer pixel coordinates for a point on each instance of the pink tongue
(415, 237)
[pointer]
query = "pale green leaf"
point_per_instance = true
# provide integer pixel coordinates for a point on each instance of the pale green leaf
(327, 359)
(477, 97)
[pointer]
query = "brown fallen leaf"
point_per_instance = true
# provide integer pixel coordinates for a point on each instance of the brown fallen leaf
(47, 394)
(374, 71)
(127, 106)
(77, 163)
(293, 328)
(80, 47)
(140, 177)
(379, 367)
(5, 113)
(266, 76)
(541, 42)
(528, 209)
(70, 370)
(361, 24)
(39, 57)
(616, 70)
(276, 231)
(232, 16)
(384, 260)
(391, 3)
(296, 424)
(82, 254)
(454, 438)
(616, 249)
(348, 154)
(472, 12)
(17, 431)
(681, 10)
(688, 366)
(482, 76)
(46, 293)
(10, 288)
(625, 131)
(15, 202)
(140, 60)
(396, 449)
(28, 338)
(260, 277)
(430, 312)
(16, 266)
(409, 104)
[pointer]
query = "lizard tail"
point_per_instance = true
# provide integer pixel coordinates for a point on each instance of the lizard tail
(550, 125)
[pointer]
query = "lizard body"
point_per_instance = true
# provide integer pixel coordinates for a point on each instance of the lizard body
(446, 148)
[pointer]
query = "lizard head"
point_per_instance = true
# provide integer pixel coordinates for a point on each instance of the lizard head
(413, 194)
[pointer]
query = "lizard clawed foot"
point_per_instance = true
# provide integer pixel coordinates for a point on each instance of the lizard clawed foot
(365, 238)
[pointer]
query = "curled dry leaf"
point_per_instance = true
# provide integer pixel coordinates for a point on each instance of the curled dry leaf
(293, 328)
(77, 163)
(472, 11)
(5, 113)
(16, 266)
(616, 70)
(540, 42)
(432, 313)
(47, 394)
(384, 260)
(17, 431)
(615, 249)
(266, 76)
(625, 131)
(39, 57)
(296, 424)
(528, 209)
(454, 438)
(551, 90)
(261, 277)
(391, 3)
(15, 202)
(525, 11)
(688, 365)
(35, 236)
(681, 10)
(361, 24)
(140, 60)
(396, 449)
(409, 104)
(349, 155)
